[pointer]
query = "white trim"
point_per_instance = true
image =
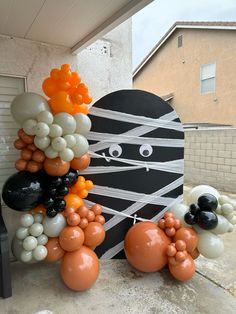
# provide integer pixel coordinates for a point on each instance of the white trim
(17, 76)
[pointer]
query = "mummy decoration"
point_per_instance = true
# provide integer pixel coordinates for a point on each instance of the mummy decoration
(136, 145)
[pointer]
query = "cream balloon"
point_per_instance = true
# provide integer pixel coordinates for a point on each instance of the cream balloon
(210, 245)
(26, 256)
(30, 243)
(36, 229)
(29, 125)
(40, 253)
(42, 142)
(38, 217)
(42, 239)
(70, 140)
(223, 199)
(197, 191)
(233, 220)
(227, 209)
(222, 226)
(41, 129)
(45, 116)
(55, 130)
(26, 220)
(27, 106)
(81, 147)
(66, 122)
(83, 123)
(50, 152)
(58, 144)
(53, 226)
(66, 154)
(179, 210)
(22, 233)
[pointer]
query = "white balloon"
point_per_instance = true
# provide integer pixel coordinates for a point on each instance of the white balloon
(55, 130)
(210, 245)
(222, 225)
(26, 220)
(66, 121)
(38, 217)
(42, 239)
(67, 154)
(41, 129)
(27, 106)
(231, 227)
(198, 229)
(229, 216)
(29, 125)
(233, 220)
(223, 199)
(197, 191)
(227, 209)
(26, 256)
(179, 210)
(218, 209)
(81, 147)
(36, 229)
(42, 142)
(40, 253)
(53, 226)
(30, 243)
(50, 152)
(22, 233)
(45, 116)
(70, 140)
(83, 123)
(58, 144)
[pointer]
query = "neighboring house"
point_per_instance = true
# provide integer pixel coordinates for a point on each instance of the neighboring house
(194, 67)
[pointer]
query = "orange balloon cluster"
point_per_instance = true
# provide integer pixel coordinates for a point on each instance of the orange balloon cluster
(32, 158)
(66, 91)
(81, 187)
(169, 224)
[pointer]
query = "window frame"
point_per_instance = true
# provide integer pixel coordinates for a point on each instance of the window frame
(201, 80)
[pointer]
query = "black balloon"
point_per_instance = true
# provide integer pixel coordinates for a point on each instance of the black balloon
(194, 209)
(59, 204)
(207, 202)
(24, 190)
(207, 220)
(52, 191)
(48, 202)
(62, 190)
(189, 218)
(70, 178)
(51, 212)
(55, 181)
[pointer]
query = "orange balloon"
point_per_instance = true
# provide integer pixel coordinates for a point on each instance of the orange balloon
(80, 163)
(82, 88)
(38, 156)
(71, 238)
(83, 223)
(100, 219)
(75, 79)
(184, 270)
(97, 209)
(87, 99)
(56, 166)
(94, 234)
(83, 211)
(26, 154)
(73, 219)
(55, 252)
(80, 269)
(19, 144)
(49, 86)
(32, 147)
(83, 193)
(73, 200)
(90, 216)
(38, 209)
(28, 139)
(33, 166)
(61, 102)
(89, 184)
(80, 109)
(55, 74)
(145, 247)
(189, 236)
(21, 164)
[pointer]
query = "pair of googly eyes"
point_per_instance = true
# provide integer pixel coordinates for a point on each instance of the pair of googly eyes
(145, 150)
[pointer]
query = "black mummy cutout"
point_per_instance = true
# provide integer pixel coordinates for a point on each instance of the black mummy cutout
(139, 139)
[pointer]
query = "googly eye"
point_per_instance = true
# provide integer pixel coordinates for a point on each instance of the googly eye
(145, 150)
(115, 150)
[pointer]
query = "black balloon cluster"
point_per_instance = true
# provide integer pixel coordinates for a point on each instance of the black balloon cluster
(57, 188)
(203, 213)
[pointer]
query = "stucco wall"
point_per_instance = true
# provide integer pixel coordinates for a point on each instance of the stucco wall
(105, 66)
(177, 70)
(210, 158)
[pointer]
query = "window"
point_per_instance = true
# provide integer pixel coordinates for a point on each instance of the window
(180, 41)
(208, 76)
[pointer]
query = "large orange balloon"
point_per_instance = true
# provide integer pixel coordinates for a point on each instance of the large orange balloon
(61, 102)
(71, 238)
(189, 236)
(55, 252)
(49, 87)
(79, 270)
(94, 234)
(56, 166)
(80, 163)
(145, 247)
(183, 271)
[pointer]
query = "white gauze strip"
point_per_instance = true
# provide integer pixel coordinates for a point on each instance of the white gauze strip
(108, 169)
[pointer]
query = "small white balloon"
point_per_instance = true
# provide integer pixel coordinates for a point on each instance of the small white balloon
(223, 199)
(231, 228)
(218, 210)
(45, 116)
(22, 233)
(42, 239)
(50, 152)
(179, 210)
(40, 253)
(222, 225)
(36, 229)
(30, 243)
(29, 125)
(233, 220)
(227, 209)
(42, 142)
(55, 130)
(66, 154)
(81, 147)
(229, 216)
(66, 121)
(70, 140)
(26, 256)
(38, 217)
(83, 123)
(58, 144)
(53, 226)
(26, 220)
(197, 191)
(41, 129)
(210, 245)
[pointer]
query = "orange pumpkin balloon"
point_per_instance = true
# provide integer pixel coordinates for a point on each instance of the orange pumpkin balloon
(184, 270)
(145, 247)
(49, 86)
(56, 166)
(189, 236)
(71, 238)
(80, 163)
(79, 270)
(73, 200)
(55, 252)
(94, 234)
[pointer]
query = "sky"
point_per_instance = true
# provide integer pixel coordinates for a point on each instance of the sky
(151, 23)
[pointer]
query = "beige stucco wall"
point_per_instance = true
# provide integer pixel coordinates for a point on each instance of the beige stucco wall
(177, 70)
